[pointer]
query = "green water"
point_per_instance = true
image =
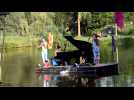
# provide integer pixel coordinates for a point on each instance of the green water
(18, 69)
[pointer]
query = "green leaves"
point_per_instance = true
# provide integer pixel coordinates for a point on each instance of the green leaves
(27, 23)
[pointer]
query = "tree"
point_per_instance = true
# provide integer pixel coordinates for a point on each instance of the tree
(2, 38)
(129, 17)
(28, 17)
(85, 22)
(27, 23)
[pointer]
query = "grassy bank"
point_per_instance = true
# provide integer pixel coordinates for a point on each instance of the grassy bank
(19, 41)
(25, 41)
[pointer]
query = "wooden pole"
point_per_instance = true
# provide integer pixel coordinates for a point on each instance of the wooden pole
(2, 40)
(3, 46)
(79, 33)
(0, 74)
(0, 52)
(116, 34)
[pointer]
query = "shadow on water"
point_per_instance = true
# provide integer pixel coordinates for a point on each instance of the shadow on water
(127, 43)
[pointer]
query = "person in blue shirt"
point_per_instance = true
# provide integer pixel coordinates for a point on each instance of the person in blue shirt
(96, 47)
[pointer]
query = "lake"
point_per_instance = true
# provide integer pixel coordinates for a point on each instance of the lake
(18, 69)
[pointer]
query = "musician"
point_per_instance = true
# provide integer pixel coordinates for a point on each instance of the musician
(96, 47)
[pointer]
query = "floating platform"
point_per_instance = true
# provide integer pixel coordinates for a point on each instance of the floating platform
(51, 70)
(92, 70)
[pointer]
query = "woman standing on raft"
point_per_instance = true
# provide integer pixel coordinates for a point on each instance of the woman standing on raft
(44, 52)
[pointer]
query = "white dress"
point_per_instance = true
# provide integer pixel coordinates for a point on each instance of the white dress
(44, 53)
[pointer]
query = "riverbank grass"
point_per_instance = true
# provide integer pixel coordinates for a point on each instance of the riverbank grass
(27, 41)
(20, 41)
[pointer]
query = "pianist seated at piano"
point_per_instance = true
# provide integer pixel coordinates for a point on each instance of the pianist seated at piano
(58, 49)
(54, 61)
(82, 58)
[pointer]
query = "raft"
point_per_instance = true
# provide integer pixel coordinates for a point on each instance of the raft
(94, 70)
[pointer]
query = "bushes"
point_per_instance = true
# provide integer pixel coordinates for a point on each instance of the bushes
(130, 32)
(127, 32)
(59, 38)
(13, 41)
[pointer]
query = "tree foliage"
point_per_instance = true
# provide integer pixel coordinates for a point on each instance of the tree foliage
(34, 23)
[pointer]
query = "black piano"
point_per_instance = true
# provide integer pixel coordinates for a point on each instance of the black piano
(71, 57)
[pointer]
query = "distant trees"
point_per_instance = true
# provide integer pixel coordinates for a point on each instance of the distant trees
(90, 21)
(129, 17)
(34, 23)
(97, 20)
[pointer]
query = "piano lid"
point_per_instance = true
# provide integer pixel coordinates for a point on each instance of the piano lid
(81, 45)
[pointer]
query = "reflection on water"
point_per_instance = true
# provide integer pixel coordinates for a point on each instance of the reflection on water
(66, 81)
(46, 79)
(18, 69)
(105, 82)
(50, 80)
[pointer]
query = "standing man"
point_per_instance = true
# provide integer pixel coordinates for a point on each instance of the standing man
(96, 47)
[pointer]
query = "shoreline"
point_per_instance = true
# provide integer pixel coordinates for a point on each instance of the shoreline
(22, 42)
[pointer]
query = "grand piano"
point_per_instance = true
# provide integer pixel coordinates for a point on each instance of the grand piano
(71, 57)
